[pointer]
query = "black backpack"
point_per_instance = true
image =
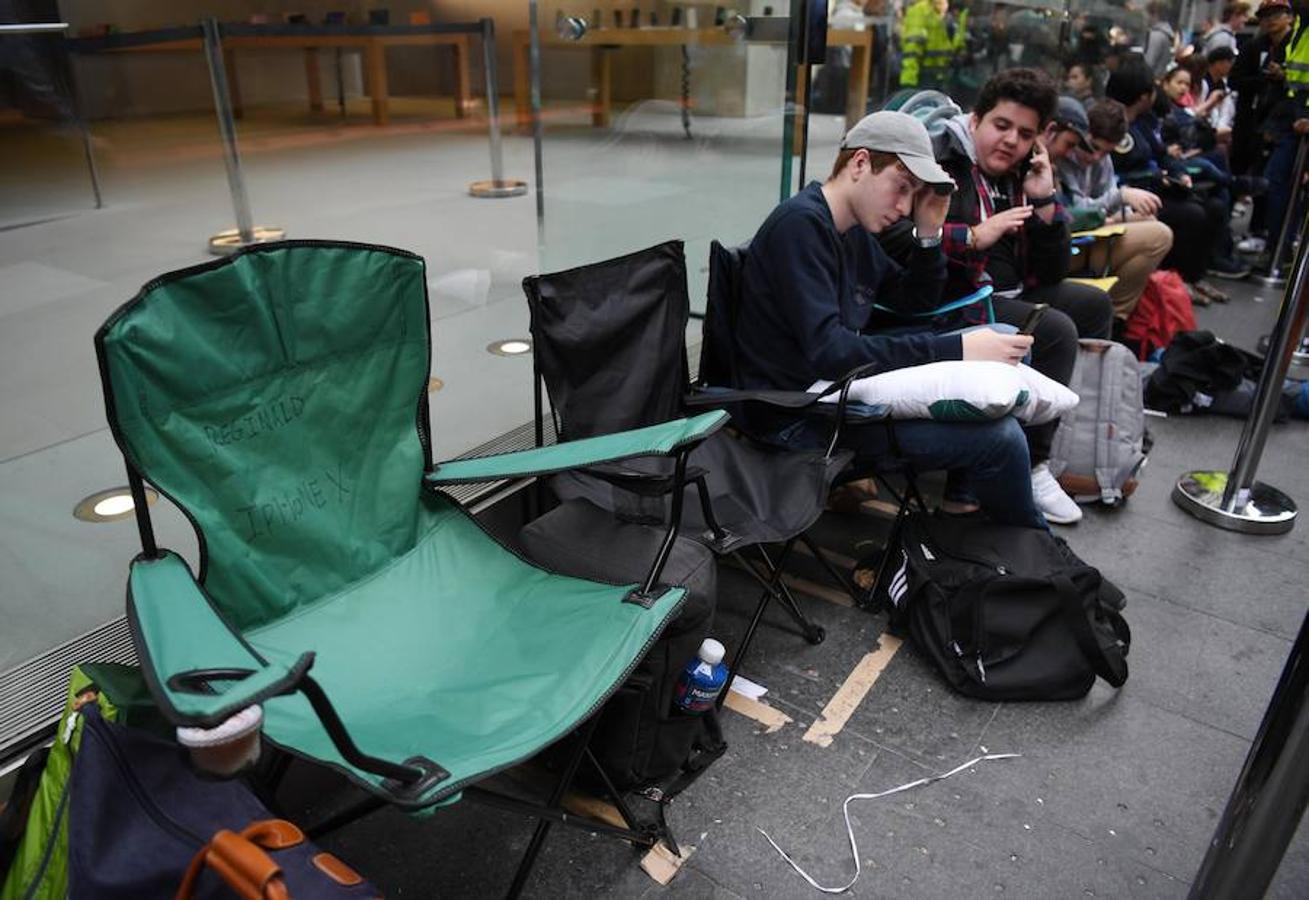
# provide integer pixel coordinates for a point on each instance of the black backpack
(1195, 368)
(1006, 613)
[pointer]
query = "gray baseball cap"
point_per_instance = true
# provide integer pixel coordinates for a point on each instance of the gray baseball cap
(903, 135)
(1071, 114)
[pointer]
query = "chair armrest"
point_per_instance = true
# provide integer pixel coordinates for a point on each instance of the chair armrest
(654, 440)
(802, 403)
(187, 652)
(982, 294)
(717, 397)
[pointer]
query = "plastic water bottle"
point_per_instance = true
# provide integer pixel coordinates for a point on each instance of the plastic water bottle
(702, 680)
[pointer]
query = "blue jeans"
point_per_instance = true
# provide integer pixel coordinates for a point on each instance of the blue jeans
(991, 456)
(1279, 172)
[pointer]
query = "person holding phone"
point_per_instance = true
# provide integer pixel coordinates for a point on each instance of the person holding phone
(1006, 228)
(1202, 239)
(1080, 143)
(812, 276)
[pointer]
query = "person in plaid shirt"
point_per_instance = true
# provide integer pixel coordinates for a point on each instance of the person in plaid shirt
(1006, 228)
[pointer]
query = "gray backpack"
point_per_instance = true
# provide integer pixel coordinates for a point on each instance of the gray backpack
(1101, 445)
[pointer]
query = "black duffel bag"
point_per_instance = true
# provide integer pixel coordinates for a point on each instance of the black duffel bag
(1006, 613)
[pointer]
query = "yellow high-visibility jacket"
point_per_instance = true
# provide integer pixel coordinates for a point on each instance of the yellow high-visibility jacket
(927, 48)
(1297, 65)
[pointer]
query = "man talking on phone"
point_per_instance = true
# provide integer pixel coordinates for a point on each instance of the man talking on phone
(812, 275)
(1006, 228)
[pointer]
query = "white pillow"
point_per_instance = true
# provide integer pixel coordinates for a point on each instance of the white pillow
(959, 391)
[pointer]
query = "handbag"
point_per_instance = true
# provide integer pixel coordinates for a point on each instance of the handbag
(143, 823)
(1007, 613)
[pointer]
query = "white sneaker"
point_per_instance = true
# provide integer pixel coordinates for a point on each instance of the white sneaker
(1252, 245)
(1054, 504)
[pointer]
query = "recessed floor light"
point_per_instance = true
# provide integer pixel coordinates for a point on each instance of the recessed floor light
(511, 347)
(110, 505)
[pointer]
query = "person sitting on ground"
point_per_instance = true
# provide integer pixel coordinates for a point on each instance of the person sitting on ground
(1005, 228)
(1218, 65)
(811, 277)
(1079, 83)
(1187, 135)
(1080, 142)
(1202, 240)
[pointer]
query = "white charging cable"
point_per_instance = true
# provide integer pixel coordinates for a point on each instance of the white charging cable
(849, 828)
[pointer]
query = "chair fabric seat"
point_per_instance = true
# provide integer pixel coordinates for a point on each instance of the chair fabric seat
(460, 652)
(759, 494)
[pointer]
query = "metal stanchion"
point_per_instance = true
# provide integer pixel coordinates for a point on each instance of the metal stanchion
(1234, 500)
(245, 232)
(498, 185)
(1270, 794)
(1275, 274)
(538, 156)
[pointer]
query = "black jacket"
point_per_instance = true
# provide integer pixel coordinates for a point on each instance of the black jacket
(808, 292)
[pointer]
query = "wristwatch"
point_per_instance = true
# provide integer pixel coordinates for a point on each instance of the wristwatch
(1042, 201)
(926, 243)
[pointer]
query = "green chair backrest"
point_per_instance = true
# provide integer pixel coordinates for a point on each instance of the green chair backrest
(275, 397)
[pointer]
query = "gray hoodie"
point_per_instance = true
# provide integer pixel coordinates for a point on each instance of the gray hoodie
(1089, 187)
(1160, 41)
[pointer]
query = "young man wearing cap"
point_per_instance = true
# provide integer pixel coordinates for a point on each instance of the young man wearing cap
(811, 278)
(1006, 228)
(1080, 142)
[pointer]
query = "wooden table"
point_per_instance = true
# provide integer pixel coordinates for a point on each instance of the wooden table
(373, 41)
(602, 41)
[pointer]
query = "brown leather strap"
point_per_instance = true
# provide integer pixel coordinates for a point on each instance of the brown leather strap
(240, 860)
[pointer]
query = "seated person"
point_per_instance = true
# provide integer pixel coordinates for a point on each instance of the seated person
(1080, 143)
(1202, 240)
(810, 281)
(1079, 83)
(1218, 65)
(1005, 228)
(1185, 129)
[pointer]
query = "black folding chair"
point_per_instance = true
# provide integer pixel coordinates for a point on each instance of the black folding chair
(719, 368)
(610, 347)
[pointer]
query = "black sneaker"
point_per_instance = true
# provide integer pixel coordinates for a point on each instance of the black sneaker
(1225, 267)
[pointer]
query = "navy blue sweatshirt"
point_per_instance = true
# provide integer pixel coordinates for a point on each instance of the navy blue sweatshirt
(809, 291)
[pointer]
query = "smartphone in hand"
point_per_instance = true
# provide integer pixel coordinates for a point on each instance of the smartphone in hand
(1034, 318)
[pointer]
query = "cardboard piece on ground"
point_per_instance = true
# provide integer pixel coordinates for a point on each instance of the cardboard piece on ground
(848, 697)
(593, 808)
(661, 864)
(821, 591)
(771, 718)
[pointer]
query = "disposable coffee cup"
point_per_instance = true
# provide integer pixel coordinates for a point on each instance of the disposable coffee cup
(227, 748)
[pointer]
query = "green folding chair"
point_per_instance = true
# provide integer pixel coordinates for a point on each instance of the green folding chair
(278, 398)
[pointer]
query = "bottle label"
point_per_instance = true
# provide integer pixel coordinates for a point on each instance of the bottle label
(696, 691)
